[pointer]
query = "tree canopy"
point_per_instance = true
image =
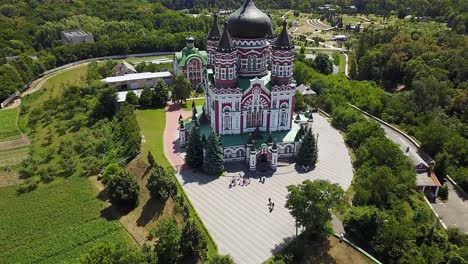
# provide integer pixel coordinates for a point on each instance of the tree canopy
(310, 204)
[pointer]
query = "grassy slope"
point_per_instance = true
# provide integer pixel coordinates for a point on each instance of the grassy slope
(13, 157)
(55, 223)
(58, 221)
(198, 102)
(8, 130)
(152, 123)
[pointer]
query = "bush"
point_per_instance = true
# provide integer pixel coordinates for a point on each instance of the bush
(28, 186)
(167, 247)
(161, 184)
(123, 189)
(443, 192)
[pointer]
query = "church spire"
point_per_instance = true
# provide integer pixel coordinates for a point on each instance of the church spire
(283, 42)
(225, 43)
(215, 32)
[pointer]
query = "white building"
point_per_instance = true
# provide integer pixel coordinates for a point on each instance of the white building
(138, 80)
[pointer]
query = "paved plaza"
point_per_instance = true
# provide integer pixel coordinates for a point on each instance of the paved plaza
(238, 218)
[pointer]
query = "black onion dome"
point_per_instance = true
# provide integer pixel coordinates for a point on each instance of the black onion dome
(225, 44)
(283, 42)
(248, 22)
(215, 32)
(271, 33)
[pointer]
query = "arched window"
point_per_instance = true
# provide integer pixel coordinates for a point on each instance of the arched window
(240, 153)
(227, 122)
(283, 119)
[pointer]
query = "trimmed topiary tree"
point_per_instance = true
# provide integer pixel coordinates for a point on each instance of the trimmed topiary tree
(194, 154)
(307, 155)
(213, 162)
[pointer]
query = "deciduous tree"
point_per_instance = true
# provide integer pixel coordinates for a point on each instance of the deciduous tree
(168, 243)
(310, 204)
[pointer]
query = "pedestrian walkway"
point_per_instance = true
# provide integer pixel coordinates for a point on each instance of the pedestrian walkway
(238, 218)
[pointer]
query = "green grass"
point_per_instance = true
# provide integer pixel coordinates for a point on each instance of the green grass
(152, 123)
(8, 130)
(188, 104)
(56, 223)
(13, 157)
(342, 65)
(55, 83)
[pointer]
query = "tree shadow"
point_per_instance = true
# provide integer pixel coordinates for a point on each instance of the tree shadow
(300, 170)
(282, 245)
(191, 176)
(153, 208)
(305, 249)
(174, 107)
(115, 212)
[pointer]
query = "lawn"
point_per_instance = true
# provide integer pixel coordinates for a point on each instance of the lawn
(56, 223)
(55, 83)
(8, 129)
(342, 64)
(198, 102)
(13, 157)
(152, 123)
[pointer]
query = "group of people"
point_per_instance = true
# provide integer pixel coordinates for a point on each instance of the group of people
(241, 180)
(271, 205)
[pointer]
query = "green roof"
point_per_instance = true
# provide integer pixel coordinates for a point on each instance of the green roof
(241, 139)
(183, 56)
(244, 82)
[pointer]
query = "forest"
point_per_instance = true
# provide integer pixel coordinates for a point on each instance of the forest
(30, 28)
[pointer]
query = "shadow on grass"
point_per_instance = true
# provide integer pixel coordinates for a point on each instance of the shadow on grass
(153, 208)
(304, 249)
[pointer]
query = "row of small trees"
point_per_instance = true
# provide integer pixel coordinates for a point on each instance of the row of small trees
(174, 243)
(206, 154)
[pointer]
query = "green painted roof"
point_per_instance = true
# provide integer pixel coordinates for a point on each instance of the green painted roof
(183, 56)
(244, 83)
(241, 139)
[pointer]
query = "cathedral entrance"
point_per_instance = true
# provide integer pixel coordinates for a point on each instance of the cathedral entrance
(263, 158)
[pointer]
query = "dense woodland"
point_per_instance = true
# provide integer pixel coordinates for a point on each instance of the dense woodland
(33, 28)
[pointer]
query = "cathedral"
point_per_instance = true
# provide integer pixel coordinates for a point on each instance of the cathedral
(249, 87)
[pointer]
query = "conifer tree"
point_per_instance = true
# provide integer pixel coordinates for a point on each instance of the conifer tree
(194, 155)
(151, 160)
(213, 163)
(307, 155)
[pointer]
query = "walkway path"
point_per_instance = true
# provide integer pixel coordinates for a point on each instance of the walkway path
(453, 212)
(238, 218)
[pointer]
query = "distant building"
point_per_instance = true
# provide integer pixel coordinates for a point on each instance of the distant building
(192, 63)
(138, 80)
(305, 90)
(12, 58)
(340, 38)
(74, 37)
(123, 68)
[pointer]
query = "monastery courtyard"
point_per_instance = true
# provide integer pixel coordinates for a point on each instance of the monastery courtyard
(238, 218)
